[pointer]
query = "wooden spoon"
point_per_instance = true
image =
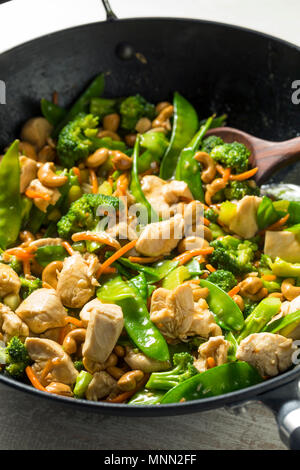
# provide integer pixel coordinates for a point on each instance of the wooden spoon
(267, 156)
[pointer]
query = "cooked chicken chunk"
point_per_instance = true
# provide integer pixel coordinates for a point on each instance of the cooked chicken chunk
(101, 385)
(9, 281)
(42, 310)
(164, 196)
(60, 370)
(192, 243)
(28, 172)
(11, 324)
(217, 348)
(85, 313)
(104, 328)
(76, 282)
(283, 244)
(160, 238)
(138, 361)
(177, 316)
(123, 231)
(269, 353)
(244, 221)
(50, 195)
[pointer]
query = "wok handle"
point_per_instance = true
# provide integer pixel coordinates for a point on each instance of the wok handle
(110, 15)
(284, 401)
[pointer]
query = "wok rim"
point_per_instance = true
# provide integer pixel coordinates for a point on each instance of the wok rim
(203, 404)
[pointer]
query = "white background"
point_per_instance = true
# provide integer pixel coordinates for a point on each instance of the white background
(22, 20)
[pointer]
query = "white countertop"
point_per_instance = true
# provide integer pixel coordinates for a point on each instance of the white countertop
(28, 423)
(22, 20)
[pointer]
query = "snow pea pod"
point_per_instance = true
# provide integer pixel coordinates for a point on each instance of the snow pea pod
(46, 254)
(147, 397)
(185, 125)
(260, 316)
(216, 381)
(140, 283)
(155, 145)
(53, 113)
(228, 314)
(188, 169)
(94, 90)
(288, 322)
(137, 321)
(135, 186)
(10, 198)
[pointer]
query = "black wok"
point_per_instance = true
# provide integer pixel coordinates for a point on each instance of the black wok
(218, 67)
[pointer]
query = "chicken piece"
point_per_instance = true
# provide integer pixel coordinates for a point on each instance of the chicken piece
(192, 243)
(160, 238)
(85, 313)
(177, 316)
(36, 131)
(42, 351)
(269, 353)
(217, 348)
(42, 310)
(122, 231)
(50, 195)
(138, 361)
(53, 333)
(244, 222)
(203, 323)
(76, 281)
(101, 385)
(11, 324)
(164, 196)
(104, 328)
(28, 172)
(283, 244)
(9, 281)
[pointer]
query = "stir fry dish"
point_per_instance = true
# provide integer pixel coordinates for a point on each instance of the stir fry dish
(140, 263)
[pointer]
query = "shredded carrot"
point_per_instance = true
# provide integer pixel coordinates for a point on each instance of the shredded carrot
(210, 362)
(94, 181)
(269, 277)
(140, 260)
(37, 195)
(77, 173)
(20, 253)
(244, 176)
(109, 270)
(63, 333)
(115, 256)
(74, 321)
(96, 237)
(187, 255)
(279, 223)
(68, 248)
(26, 267)
(122, 184)
(234, 291)
(33, 379)
(206, 221)
(210, 268)
(220, 169)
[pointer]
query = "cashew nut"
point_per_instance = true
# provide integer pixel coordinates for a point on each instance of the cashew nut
(111, 122)
(289, 290)
(213, 188)
(111, 134)
(73, 339)
(115, 372)
(252, 287)
(97, 158)
(26, 237)
(25, 148)
(58, 388)
(162, 105)
(120, 160)
(209, 166)
(130, 379)
(47, 154)
(239, 301)
(92, 366)
(50, 272)
(143, 125)
(130, 139)
(47, 176)
(162, 120)
(36, 131)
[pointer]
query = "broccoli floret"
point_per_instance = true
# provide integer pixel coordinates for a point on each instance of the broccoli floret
(223, 279)
(17, 357)
(82, 214)
(232, 255)
(239, 189)
(29, 285)
(211, 215)
(79, 365)
(183, 370)
(234, 155)
(132, 109)
(211, 142)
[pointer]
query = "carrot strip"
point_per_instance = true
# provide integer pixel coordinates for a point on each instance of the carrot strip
(220, 169)
(26, 267)
(122, 184)
(244, 176)
(36, 195)
(210, 362)
(210, 268)
(94, 181)
(279, 223)
(206, 221)
(33, 379)
(20, 253)
(96, 237)
(140, 260)
(187, 255)
(115, 256)
(68, 248)
(234, 291)
(74, 321)
(77, 173)
(109, 270)
(269, 277)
